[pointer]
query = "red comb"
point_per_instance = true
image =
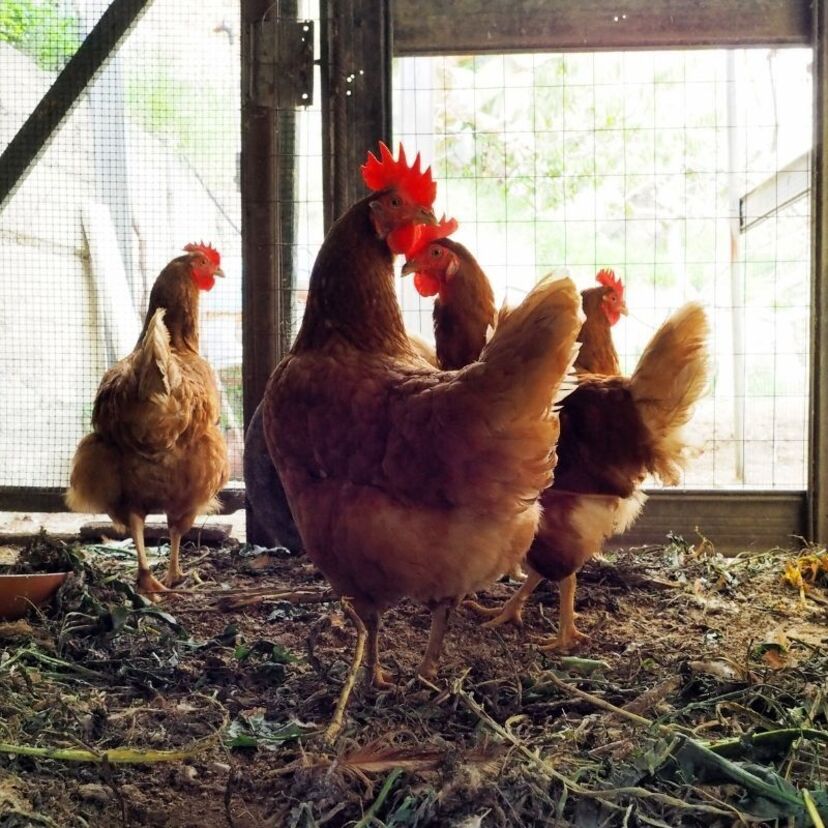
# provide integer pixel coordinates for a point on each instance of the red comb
(427, 233)
(606, 277)
(384, 172)
(207, 249)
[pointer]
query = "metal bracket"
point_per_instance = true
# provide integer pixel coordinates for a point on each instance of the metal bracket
(282, 63)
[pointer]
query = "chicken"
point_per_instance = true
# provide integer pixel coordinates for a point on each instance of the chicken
(405, 480)
(603, 307)
(263, 488)
(614, 431)
(156, 444)
(464, 310)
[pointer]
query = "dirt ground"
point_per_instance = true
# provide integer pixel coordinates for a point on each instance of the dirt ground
(702, 699)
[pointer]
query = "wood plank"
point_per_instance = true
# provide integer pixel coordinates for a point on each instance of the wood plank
(732, 520)
(26, 499)
(477, 26)
(213, 534)
(818, 465)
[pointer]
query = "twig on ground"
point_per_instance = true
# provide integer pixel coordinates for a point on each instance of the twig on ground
(336, 724)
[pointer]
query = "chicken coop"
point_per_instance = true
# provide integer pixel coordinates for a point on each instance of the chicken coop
(680, 144)
(680, 147)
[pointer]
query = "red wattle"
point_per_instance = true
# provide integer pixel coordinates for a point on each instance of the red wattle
(204, 279)
(426, 284)
(402, 239)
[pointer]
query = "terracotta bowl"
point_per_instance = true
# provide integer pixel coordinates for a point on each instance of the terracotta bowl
(18, 592)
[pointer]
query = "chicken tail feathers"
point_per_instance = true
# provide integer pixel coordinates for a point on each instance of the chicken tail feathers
(669, 379)
(95, 481)
(533, 346)
(157, 370)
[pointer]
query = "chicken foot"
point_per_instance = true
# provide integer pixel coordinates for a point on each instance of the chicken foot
(512, 610)
(440, 614)
(569, 636)
(148, 584)
(334, 728)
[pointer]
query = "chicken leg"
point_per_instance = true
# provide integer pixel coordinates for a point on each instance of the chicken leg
(148, 584)
(512, 610)
(439, 621)
(569, 636)
(178, 528)
(377, 676)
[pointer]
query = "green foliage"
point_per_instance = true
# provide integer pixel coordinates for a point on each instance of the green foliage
(42, 30)
(193, 120)
(255, 731)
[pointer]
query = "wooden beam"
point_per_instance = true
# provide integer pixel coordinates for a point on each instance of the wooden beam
(818, 465)
(37, 131)
(732, 520)
(50, 499)
(356, 95)
(477, 26)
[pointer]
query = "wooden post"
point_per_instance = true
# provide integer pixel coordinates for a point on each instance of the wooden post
(356, 94)
(268, 220)
(818, 461)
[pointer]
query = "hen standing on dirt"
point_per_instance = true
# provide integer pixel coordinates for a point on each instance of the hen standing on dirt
(614, 431)
(156, 445)
(405, 480)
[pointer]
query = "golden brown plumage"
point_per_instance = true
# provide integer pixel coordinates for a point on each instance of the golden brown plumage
(614, 431)
(405, 480)
(156, 445)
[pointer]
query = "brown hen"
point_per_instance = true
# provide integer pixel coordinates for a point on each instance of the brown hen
(156, 445)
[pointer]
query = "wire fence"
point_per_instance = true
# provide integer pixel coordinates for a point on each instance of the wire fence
(685, 171)
(146, 162)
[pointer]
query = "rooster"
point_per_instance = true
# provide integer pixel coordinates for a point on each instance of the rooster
(263, 488)
(405, 480)
(614, 431)
(156, 445)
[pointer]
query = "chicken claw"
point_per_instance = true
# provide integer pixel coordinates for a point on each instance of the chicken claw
(174, 577)
(510, 613)
(380, 679)
(569, 636)
(565, 641)
(512, 610)
(149, 586)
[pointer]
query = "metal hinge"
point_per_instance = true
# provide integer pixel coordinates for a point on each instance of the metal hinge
(282, 63)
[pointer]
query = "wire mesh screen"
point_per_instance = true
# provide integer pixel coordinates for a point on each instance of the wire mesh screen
(145, 163)
(686, 172)
(309, 207)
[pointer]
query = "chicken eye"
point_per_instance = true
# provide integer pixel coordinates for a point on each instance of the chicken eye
(395, 202)
(436, 252)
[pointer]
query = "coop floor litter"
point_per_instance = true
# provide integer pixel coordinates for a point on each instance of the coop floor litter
(225, 693)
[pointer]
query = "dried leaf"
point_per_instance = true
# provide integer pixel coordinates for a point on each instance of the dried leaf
(719, 669)
(775, 658)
